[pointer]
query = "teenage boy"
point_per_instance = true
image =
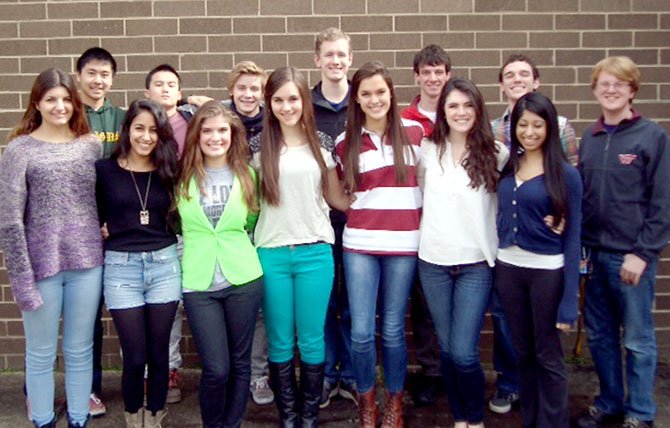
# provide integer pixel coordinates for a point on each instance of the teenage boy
(246, 83)
(624, 160)
(518, 76)
(330, 97)
(96, 69)
(432, 70)
(163, 85)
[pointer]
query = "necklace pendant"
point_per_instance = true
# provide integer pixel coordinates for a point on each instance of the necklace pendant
(144, 217)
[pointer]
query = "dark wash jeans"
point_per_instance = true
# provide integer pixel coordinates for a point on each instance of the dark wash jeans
(610, 305)
(223, 323)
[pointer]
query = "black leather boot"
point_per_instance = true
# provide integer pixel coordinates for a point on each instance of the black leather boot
(311, 384)
(282, 380)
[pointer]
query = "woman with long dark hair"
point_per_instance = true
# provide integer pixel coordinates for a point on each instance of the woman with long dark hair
(459, 169)
(52, 243)
(537, 271)
(294, 238)
(378, 154)
(142, 279)
(223, 284)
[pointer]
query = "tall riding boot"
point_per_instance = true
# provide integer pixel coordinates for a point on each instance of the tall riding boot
(367, 409)
(311, 384)
(282, 379)
(393, 411)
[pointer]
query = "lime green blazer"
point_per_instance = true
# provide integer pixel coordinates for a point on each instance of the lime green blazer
(228, 242)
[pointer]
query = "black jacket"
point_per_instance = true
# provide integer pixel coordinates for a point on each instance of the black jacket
(329, 120)
(626, 176)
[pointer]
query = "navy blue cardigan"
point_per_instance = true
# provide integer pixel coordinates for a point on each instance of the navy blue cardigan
(521, 212)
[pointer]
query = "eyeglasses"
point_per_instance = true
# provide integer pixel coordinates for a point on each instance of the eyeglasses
(604, 86)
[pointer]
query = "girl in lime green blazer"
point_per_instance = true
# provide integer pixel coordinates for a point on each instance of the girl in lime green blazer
(222, 277)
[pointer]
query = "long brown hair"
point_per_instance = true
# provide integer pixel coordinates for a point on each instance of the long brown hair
(356, 121)
(481, 163)
(272, 140)
(193, 164)
(45, 81)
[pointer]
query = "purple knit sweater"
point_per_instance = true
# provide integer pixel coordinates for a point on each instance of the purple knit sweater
(48, 215)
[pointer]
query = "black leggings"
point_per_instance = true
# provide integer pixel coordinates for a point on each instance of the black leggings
(144, 333)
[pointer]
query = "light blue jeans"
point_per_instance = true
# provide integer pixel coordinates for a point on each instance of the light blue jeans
(74, 295)
(391, 277)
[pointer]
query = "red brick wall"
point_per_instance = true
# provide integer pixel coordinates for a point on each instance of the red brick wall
(204, 39)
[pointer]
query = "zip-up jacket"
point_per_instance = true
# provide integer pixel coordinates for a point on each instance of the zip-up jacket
(253, 125)
(328, 120)
(106, 124)
(412, 112)
(626, 175)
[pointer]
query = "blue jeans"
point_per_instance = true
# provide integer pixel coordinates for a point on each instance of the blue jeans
(392, 277)
(458, 297)
(610, 305)
(338, 321)
(504, 355)
(74, 295)
(298, 280)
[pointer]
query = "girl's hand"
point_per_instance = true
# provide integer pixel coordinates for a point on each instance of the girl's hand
(549, 221)
(563, 327)
(104, 231)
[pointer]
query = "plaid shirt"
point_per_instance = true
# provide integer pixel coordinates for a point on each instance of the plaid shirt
(566, 132)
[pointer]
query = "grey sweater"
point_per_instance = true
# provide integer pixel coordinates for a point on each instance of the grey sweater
(48, 216)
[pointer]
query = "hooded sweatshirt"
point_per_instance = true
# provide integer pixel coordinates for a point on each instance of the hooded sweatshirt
(106, 125)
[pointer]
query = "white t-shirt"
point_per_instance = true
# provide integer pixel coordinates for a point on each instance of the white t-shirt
(459, 223)
(302, 215)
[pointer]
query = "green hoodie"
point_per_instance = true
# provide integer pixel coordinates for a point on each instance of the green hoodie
(106, 124)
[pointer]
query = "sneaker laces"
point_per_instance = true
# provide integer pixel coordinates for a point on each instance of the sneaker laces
(261, 383)
(631, 423)
(94, 398)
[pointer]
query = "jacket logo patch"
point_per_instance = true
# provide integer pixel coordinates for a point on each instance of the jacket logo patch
(626, 158)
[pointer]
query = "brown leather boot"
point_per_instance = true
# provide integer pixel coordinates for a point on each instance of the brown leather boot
(367, 410)
(393, 411)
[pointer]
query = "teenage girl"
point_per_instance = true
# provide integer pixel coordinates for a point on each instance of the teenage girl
(223, 285)
(142, 279)
(294, 238)
(537, 272)
(459, 169)
(378, 154)
(52, 243)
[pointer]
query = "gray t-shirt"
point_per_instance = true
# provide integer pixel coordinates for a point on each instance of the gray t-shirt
(218, 185)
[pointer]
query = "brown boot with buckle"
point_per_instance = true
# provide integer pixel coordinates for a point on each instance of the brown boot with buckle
(367, 410)
(393, 411)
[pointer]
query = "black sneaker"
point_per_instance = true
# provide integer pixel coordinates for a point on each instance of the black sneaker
(329, 391)
(593, 417)
(349, 391)
(502, 401)
(425, 391)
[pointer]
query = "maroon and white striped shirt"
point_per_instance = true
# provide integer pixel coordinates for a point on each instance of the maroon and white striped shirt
(385, 218)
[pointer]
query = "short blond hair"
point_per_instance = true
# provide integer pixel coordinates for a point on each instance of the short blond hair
(330, 35)
(245, 67)
(622, 67)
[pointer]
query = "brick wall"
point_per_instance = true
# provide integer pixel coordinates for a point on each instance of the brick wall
(204, 39)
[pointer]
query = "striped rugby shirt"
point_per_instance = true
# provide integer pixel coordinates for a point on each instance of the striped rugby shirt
(385, 218)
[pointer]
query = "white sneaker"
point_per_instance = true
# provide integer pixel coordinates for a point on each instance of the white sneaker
(261, 391)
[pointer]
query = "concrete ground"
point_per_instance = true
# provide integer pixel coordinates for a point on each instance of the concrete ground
(340, 414)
